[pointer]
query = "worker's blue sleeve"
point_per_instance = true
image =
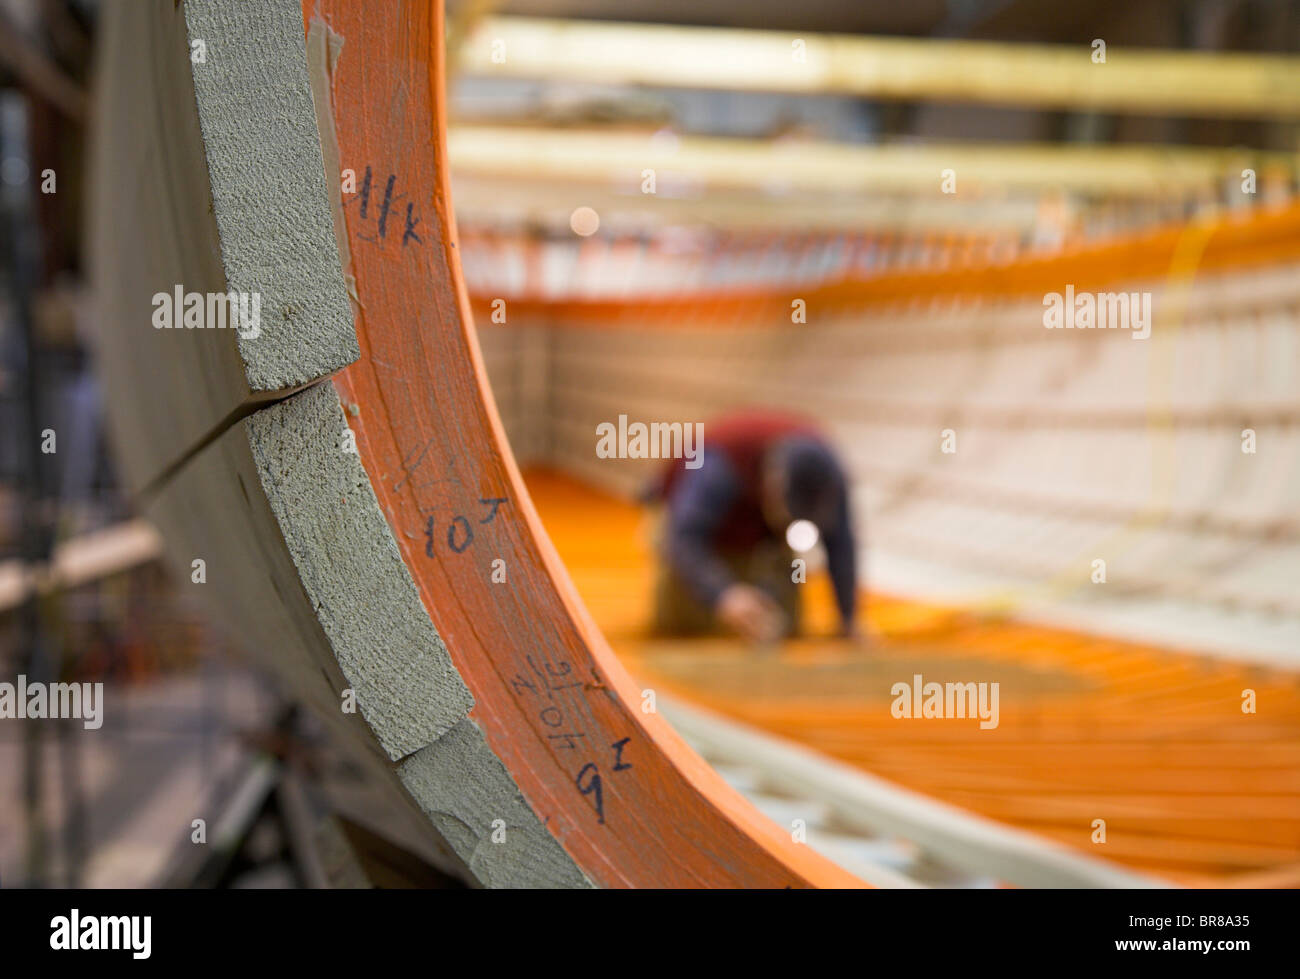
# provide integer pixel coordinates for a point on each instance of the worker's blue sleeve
(697, 506)
(842, 562)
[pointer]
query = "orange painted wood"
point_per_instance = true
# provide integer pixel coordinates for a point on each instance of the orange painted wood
(1151, 740)
(1234, 240)
(552, 701)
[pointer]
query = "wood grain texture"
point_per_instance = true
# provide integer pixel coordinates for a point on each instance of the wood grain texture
(300, 561)
(207, 176)
(375, 572)
(335, 567)
(623, 795)
(1153, 740)
(296, 554)
(474, 803)
(494, 703)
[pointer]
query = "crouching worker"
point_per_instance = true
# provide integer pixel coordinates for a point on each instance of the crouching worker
(724, 560)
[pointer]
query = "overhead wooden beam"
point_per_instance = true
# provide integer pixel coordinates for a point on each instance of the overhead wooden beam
(1130, 80)
(80, 561)
(686, 165)
(505, 201)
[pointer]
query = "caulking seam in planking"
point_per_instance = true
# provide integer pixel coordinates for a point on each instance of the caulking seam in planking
(317, 520)
(407, 688)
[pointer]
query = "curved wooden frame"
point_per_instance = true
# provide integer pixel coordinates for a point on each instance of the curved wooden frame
(620, 791)
(217, 138)
(513, 714)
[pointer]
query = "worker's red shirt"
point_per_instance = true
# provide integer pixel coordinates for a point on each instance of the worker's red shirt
(743, 439)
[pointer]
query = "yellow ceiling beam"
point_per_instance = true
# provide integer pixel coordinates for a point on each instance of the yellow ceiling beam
(689, 165)
(1059, 76)
(506, 201)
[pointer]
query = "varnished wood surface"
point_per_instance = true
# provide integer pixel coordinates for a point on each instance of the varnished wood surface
(1129, 80)
(555, 712)
(1151, 740)
(1226, 242)
(551, 700)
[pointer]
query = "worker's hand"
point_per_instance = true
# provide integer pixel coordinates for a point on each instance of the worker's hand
(751, 612)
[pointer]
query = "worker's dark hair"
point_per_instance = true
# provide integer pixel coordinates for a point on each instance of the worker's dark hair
(814, 480)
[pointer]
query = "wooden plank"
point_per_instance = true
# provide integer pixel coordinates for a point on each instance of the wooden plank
(1239, 244)
(333, 557)
(81, 560)
(483, 200)
(337, 565)
(551, 701)
(298, 558)
(617, 158)
(1131, 80)
(207, 178)
(1149, 739)
(297, 552)
(959, 838)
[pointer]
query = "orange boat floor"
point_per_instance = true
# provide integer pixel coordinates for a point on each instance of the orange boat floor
(1152, 741)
